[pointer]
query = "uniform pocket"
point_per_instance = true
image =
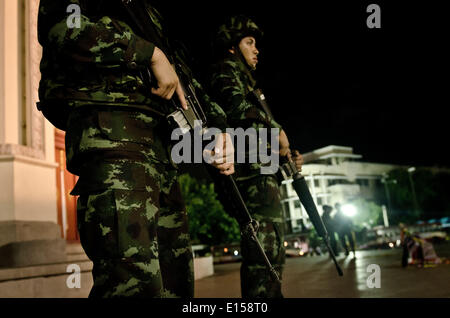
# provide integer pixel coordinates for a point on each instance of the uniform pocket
(97, 225)
(127, 126)
(118, 224)
(267, 191)
(137, 215)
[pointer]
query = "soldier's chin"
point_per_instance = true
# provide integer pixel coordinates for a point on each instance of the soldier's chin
(252, 65)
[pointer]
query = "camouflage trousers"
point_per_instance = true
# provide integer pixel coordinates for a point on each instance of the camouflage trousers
(262, 197)
(133, 226)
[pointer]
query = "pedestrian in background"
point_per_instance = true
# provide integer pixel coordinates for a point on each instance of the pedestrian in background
(330, 225)
(344, 228)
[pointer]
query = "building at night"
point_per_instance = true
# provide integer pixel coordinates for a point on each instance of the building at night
(39, 242)
(334, 174)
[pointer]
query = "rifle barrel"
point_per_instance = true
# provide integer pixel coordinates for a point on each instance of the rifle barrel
(305, 197)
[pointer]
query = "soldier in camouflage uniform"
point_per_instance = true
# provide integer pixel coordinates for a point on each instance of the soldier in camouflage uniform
(131, 216)
(232, 82)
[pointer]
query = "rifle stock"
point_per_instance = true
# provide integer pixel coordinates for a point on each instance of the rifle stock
(239, 211)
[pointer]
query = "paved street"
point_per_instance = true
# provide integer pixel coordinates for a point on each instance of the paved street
(317, 277)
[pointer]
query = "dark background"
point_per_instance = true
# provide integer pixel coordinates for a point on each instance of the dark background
(331, 80)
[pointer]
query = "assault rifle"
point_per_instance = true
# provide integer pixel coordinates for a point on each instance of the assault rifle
(288, 170)
(186, 120)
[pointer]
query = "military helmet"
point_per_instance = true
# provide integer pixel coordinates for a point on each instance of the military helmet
(236, 28)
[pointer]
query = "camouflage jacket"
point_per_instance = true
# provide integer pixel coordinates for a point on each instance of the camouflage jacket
(231, 85)
(98, 64)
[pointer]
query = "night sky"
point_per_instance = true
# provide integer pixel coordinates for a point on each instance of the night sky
(331, 80)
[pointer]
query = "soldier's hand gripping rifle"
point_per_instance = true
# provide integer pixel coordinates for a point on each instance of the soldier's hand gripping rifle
(289, 170)
(187, 119)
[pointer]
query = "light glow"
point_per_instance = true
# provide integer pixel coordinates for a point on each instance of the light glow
(349, 210)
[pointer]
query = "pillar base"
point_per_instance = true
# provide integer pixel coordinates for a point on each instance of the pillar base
(28, 243)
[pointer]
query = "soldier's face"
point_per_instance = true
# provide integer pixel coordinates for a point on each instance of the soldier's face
(249, 50)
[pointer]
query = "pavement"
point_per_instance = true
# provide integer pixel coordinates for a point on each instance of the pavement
(316, 277)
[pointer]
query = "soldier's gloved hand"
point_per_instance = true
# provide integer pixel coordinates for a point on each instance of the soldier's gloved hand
(298, 160)
(166, 77)
(222, 157)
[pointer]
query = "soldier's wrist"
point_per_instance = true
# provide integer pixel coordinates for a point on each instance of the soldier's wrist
(139, 52)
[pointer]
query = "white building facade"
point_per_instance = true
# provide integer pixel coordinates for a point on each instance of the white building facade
(334, 175)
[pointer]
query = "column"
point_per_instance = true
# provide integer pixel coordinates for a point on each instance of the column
(29, 233)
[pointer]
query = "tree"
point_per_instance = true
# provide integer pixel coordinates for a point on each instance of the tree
(208, 222)
(431, 190)
(368, 214)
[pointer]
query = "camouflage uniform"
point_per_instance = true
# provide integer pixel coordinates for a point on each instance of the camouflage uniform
(232, 82)
(131, 216)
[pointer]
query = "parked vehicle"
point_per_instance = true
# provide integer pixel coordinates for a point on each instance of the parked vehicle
(381, 237)
(226, 253)
(296, 245)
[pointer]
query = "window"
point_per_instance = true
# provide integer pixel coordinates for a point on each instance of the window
(363, 182)
(316, 183)
(297, 204)
(283, 191)
(338, 181)
(287, 210)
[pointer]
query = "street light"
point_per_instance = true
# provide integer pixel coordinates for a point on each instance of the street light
(349, 210)
(416, 205)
